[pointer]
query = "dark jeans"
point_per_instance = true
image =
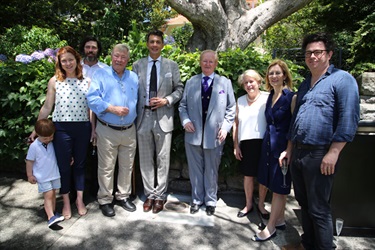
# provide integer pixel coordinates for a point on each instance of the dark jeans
(71, 141)
(313, 193)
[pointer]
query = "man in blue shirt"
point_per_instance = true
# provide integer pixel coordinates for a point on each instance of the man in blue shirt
(112, 96)
(325, 119)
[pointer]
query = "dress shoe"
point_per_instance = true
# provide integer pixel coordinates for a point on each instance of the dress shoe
(210, 210)
(107, 210)
(194, 208)
(158, 206)
(257, 238)
(127, 205)
(147, 205)
(242, 214)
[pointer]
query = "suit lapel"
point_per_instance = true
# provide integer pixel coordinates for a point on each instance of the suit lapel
(214, 94)
(163, 69)
(196, 85)
(144, 65)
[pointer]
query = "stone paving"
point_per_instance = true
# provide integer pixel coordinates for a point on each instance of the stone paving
(23, 225)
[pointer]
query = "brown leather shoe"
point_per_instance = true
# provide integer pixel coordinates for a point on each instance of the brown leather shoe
(158, 206)
(147, 206)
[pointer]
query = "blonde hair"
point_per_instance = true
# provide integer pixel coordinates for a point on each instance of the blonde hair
(251, 73)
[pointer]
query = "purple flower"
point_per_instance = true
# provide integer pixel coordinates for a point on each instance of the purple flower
(37, 55)
(169, 40)
(52, 59)
(24, 58)
(49, 52)
(3, 58)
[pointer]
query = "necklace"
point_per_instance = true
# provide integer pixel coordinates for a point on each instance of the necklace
(252, 100)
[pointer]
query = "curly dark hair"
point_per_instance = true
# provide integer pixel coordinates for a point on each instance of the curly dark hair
(319, 37)
(88, 39)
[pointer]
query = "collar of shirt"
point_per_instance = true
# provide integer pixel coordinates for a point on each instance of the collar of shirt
(150, 60)
(124, 75)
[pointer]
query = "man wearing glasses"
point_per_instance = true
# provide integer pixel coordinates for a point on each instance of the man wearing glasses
(325, 119)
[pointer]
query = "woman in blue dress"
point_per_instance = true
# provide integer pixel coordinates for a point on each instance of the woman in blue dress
(278, 114)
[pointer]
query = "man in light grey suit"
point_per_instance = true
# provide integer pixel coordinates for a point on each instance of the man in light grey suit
(207, 110)
(160, 87)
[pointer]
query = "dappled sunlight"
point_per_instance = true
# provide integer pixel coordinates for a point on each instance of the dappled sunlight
(23, 225)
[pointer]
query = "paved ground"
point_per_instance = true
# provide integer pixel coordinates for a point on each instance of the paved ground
(23, 225)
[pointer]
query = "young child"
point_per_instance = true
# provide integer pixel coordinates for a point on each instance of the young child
(41, 168)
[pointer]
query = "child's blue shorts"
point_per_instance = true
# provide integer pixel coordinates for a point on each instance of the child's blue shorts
(49, 185)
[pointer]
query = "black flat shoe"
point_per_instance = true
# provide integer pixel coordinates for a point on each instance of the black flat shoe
(258, 239)
(241, 214)
(281, 227)
(107, 210)
(194, 208)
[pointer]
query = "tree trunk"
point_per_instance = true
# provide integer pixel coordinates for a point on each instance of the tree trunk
(223, 24)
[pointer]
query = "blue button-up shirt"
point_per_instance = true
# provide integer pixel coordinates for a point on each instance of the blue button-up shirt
(328, 112)
(107, 88)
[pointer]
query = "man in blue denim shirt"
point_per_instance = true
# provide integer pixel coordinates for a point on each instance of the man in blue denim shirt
(113, 96)
(325, 119)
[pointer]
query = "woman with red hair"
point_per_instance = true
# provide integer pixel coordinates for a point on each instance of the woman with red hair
(67, 94)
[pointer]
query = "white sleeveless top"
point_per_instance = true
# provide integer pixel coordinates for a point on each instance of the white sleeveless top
(251, 118)
(70, 101)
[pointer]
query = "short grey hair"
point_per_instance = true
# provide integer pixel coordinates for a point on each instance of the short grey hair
(121, 47)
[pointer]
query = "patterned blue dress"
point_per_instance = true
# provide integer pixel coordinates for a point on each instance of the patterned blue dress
(274, 142)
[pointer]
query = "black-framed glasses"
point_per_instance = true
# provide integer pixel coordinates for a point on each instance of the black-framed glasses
(317, 53)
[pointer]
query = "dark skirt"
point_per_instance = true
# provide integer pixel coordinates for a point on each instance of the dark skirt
(251, 151)
(269, 173)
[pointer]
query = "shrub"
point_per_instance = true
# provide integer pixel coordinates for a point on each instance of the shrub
(22, 92)
(22, 40)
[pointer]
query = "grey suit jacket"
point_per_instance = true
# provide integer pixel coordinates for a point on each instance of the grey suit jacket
(170, 87)
(220, 114)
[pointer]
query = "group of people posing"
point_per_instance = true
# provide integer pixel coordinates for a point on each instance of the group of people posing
(121, 110)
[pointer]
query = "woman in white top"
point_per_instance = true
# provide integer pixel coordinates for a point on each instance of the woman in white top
(248, 131)
(66, 93)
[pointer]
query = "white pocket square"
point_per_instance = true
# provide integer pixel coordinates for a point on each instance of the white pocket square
(169, 74)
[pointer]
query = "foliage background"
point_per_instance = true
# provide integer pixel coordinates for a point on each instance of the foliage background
(23, 87)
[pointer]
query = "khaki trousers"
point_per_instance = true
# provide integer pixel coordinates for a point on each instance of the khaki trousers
(113, 144)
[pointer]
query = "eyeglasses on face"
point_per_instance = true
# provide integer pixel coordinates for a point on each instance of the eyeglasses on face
(317, 53)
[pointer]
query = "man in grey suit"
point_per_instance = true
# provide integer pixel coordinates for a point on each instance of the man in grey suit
(160, 87)
(207, 110)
